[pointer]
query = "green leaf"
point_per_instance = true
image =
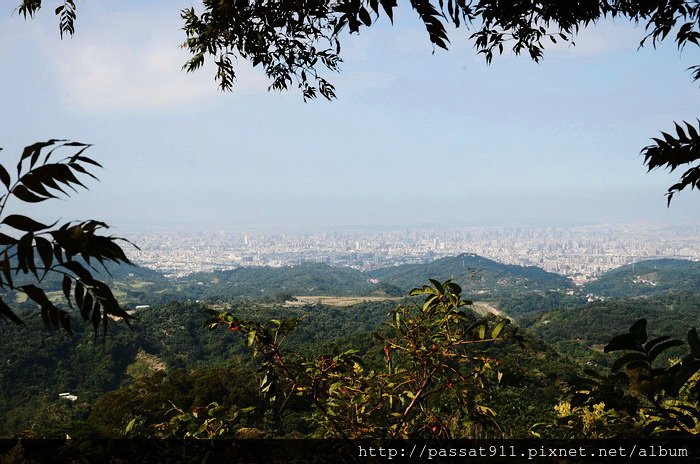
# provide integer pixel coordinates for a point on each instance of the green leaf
(251, 338)
(130, 425)
(422, 291)
(437, 285)
(482, 331)
(499, 327)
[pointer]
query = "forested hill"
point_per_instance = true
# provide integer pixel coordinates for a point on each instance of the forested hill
(280, 282)
(583, 330)
(650, 277)
(474, 273)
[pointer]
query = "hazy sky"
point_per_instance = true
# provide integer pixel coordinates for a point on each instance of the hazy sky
(413, 138)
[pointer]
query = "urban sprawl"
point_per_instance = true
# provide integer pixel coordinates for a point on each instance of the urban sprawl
(581, 253)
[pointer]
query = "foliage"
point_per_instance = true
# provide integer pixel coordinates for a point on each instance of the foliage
(292, 44)
(38, 251)
(582, 331)
(638, 397)
(475, 273)
(649, 277)
(432, 384)
(677, 150)
(185, 404)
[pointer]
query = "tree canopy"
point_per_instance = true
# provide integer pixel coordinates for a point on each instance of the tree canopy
(294, 43)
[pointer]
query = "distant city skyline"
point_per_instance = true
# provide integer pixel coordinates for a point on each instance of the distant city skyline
(581, 253)
(414, 137)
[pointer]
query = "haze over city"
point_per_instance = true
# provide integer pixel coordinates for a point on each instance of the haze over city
(414, 138)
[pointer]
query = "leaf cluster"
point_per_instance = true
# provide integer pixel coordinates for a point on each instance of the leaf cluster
(659, 400)
(39, 250)
(434, 381)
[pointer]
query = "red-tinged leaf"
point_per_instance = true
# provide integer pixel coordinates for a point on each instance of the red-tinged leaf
(7, 312)
(24, 223)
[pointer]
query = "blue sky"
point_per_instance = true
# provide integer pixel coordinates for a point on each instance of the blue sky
(414, 138)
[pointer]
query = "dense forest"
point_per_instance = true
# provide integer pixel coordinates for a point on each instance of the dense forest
(170, 375)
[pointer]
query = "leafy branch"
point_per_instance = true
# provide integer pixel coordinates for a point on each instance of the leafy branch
(429, 356)
(639, 394)
(69, 252)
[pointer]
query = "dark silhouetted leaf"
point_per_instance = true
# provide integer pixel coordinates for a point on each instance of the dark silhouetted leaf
(24, 223)
(7, 312)
(5, 177)
(64, 320)
(628, 358)
(79, 293)
(24, 194)
(694, 342)
(639, 330)
(663, 346)
(45, 250)
(624, 342)
(66, 287)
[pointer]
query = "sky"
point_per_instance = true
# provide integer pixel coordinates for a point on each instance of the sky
(416, 136)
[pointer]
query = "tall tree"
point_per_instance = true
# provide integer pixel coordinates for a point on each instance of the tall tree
(295, 41)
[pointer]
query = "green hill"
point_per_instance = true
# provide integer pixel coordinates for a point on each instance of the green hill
(583, 330)
(475, 274)
(650, 277)
(278, 282)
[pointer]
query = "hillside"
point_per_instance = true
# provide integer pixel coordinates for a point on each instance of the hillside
(583, 330)
(39, 365)
(475, 274)
(650, 277)
(280, 282)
